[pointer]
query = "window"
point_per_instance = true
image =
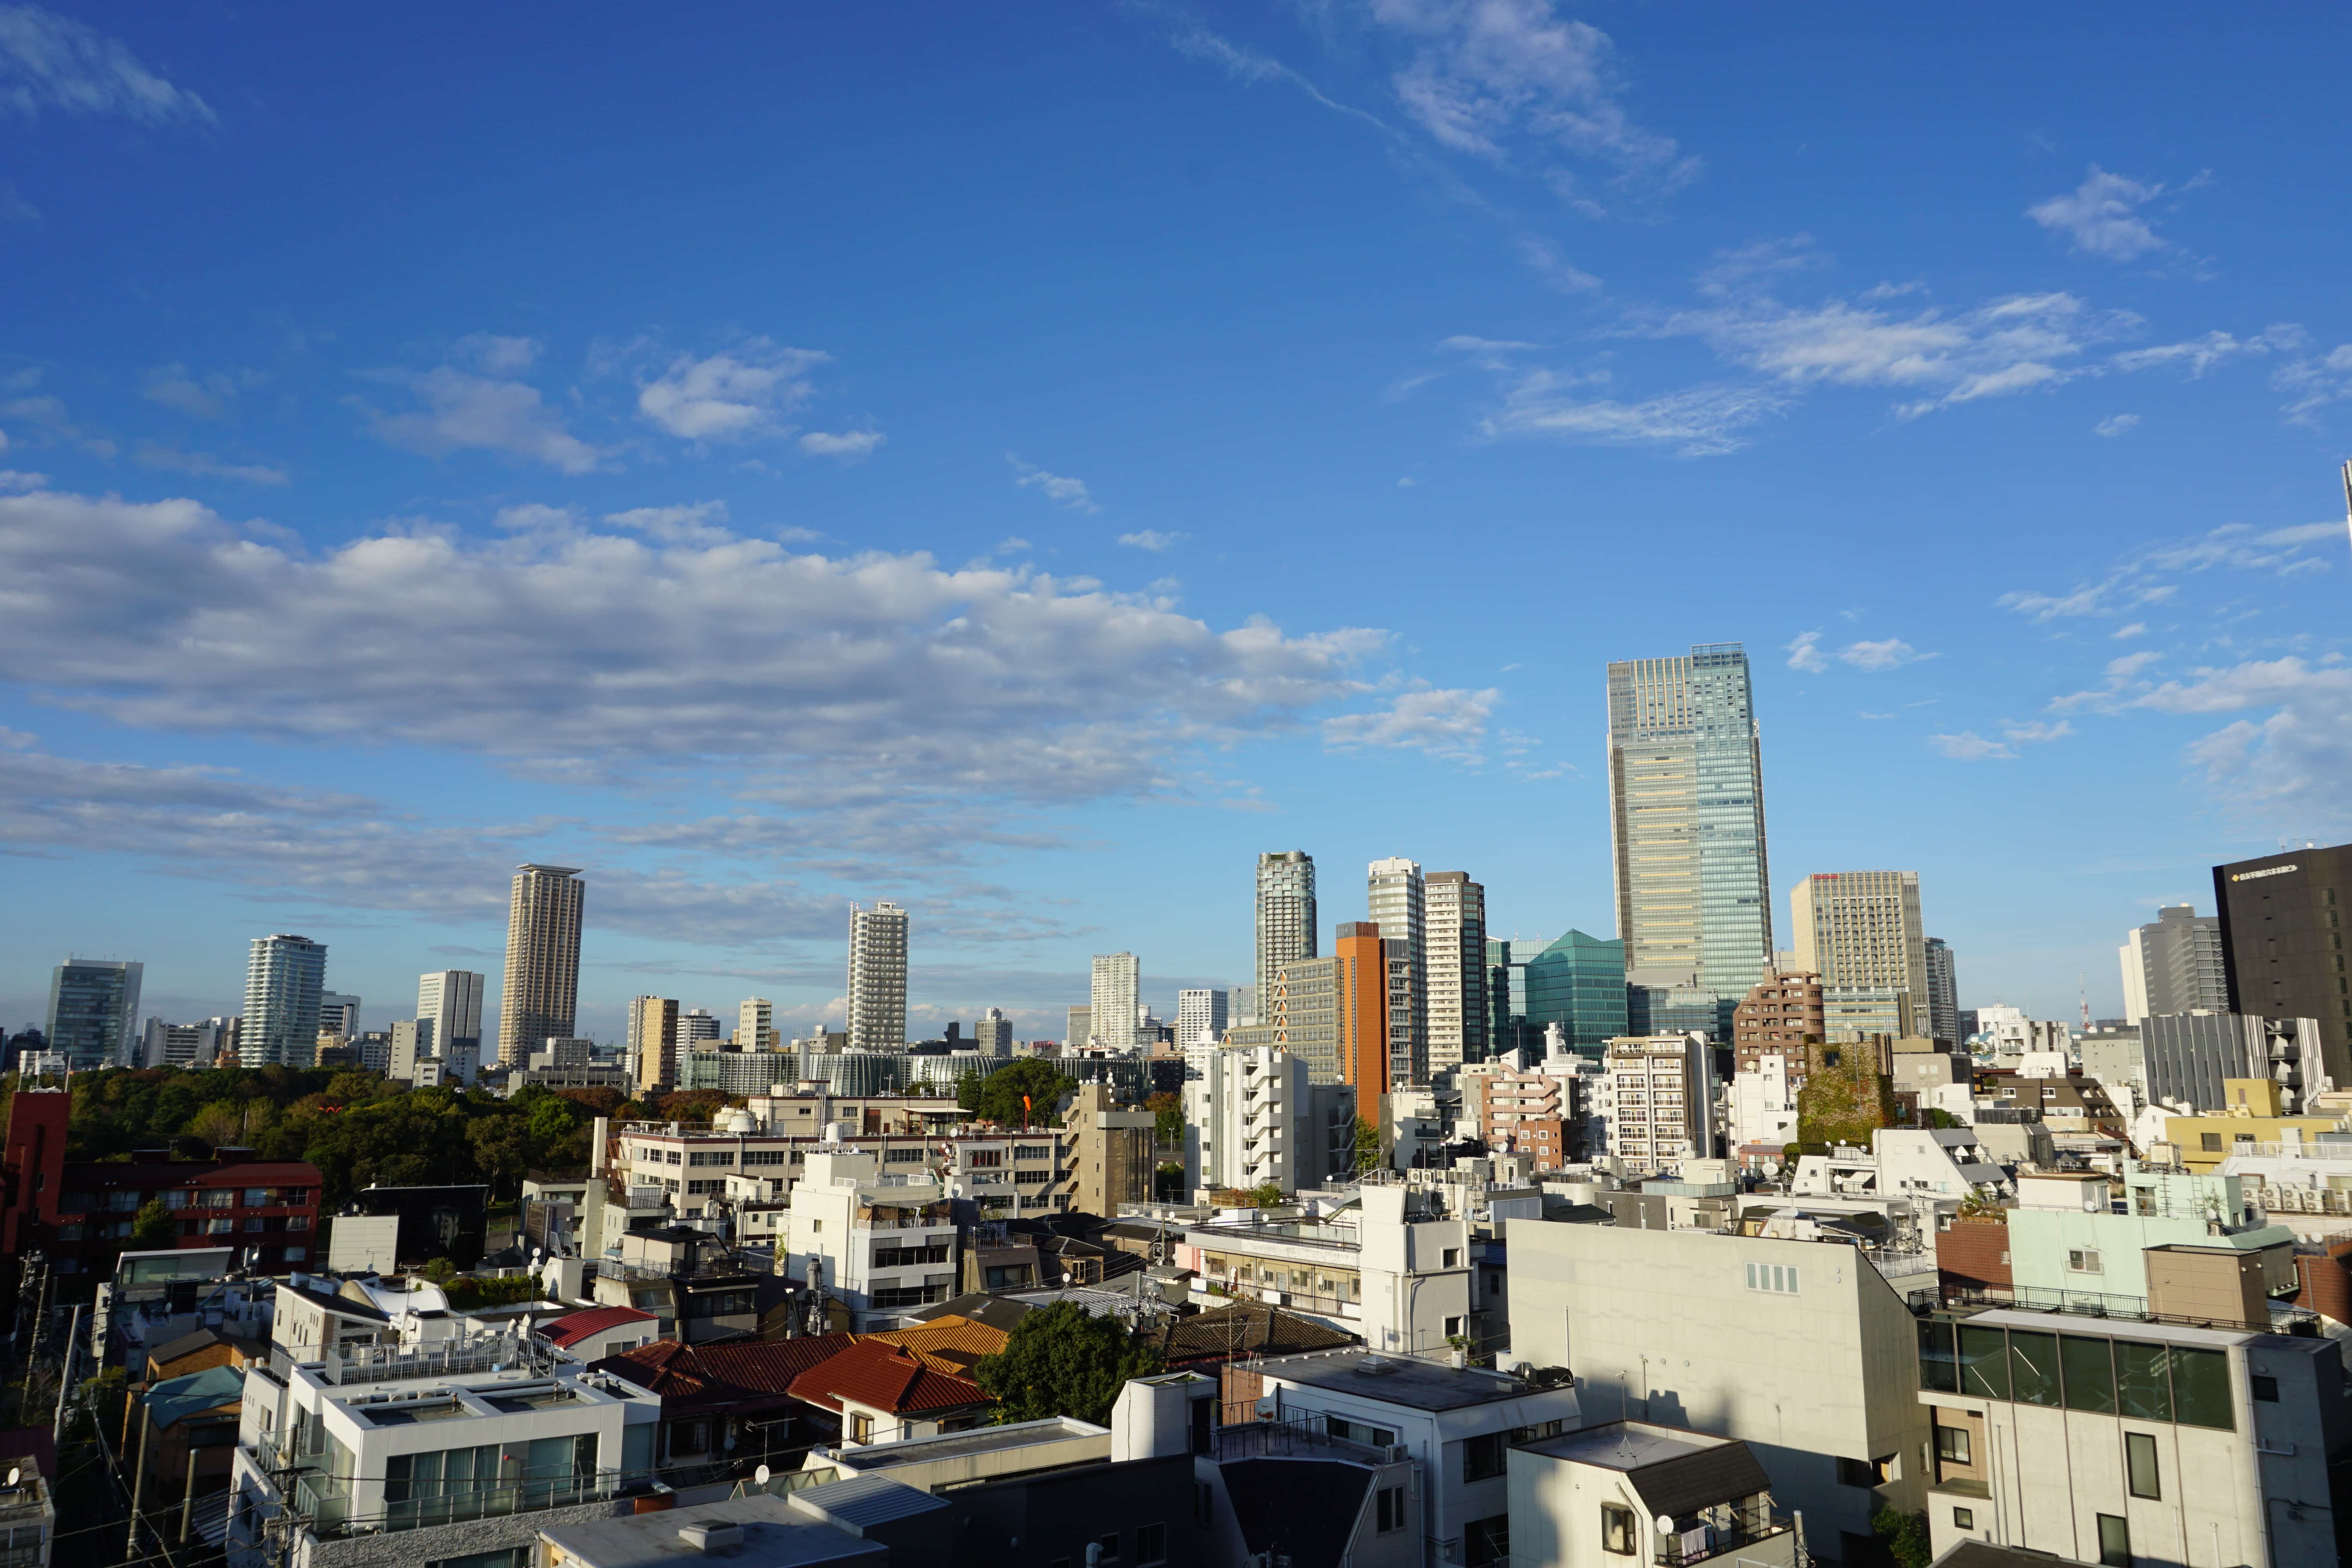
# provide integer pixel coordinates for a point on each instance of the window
(255, 1196)
(2139, 1464)
(1453, 1328)
(2200, 1389)
(2089, 1372)
(1780, 1281)
(1487, 1540)
(2211, 1144)
(1964, 1519)
(1349, 1431)
(2033, 1367)
(1860, 1472)
(1151, 1544)
(2084, 1260)
(2147, 1392)
(504, 1557)
(861, 1428)
(1107, 1545)
(219, 1224)
(220, 1197)
(1616, 1530)
(903, 1156)
(704, 1188)
(1031, 1178)
(2115, 1542)
(2264, 1388)
(297, 1222)
(1389, 1506)
(1032, 1151)
(723, 1157)
(179, 1200)
(763, 1156)
(1952, 1445)
(689, 1437)
(1450, 1259)
(1482, 1457)
(974, 1159)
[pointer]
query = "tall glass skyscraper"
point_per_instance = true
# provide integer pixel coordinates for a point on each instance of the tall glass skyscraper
(1286, 919)
(282, 983)
(94, 1011)
(1686, 820)
(1578, 983)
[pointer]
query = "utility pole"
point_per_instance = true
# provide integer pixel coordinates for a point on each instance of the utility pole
(65, 1377)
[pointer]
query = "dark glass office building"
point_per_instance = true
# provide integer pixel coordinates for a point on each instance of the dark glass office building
(2282, 942)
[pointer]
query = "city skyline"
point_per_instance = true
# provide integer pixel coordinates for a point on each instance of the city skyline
(1037, 566)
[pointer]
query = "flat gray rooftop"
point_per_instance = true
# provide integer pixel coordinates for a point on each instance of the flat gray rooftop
(979, 1440)
(1396, 1380)
(774, 1536)
(1619, 1445)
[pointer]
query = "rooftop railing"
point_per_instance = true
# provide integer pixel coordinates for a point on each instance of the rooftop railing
(2282, 1319)
(1300, 1436)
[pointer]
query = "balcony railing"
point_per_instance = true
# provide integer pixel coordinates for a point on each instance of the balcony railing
(1733, 1530)
(2090, 1304)
(1304, 1436)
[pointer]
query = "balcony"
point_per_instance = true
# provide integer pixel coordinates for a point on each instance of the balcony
(1732, 1531)
(360, 1363)
(1303, 1436)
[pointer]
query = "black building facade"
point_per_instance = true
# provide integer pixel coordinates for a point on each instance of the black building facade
(2283, 921)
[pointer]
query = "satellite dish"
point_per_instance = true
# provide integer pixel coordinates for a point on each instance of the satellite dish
(761, 1474)
(1665, 1522)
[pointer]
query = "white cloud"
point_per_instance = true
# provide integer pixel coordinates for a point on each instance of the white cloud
(701, 523)
(1245, 65)
(2037, 731)
(2290, 766)
(2200, 355)
(1698, 422)
(874, 689)
(1805, 653)
(207, 397)
(732, 396)
(2123, 634)
(49, 61)
(2139, 578)
(1967, 746)
(474, 403)
(151, 455)
(1153, 540)
(1450, 724)
(20, 479)
(1513, 83)
(2116, 424)
(848, 446)
(1070, 493)
(1892, 652)
(2315, 382)
(2101, 217)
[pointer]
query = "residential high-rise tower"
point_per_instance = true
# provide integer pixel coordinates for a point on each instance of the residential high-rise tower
(1117, 977)
(541, 993)
(449, 1001)
(1453, 967)
(2174, 964)
(1399, 905)
(1686, 819)
(1201, 1015)
(1943, 995)
(877, 978)
(1863, 928)
(1286, 913)
(652, 1042)
(282, 983)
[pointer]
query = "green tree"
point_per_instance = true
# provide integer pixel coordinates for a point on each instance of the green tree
(997, 1097)
(1906, 1535)
(1368, 1144)
(1062, 1361)
(1167, 1109)
(154, 1227)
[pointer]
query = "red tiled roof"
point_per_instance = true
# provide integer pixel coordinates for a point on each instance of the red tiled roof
(571, 1328)
(688, 1377)
(882, 1376)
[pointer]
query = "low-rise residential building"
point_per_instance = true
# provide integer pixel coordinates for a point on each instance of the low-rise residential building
(594, 1332)
(1254, 1114)
(2253, 1112)
(728, 1404)
(2130, 1441)
(1637, 1491)
(883, 1392)
(1764, 1106)
(1532, 1114)
(1797, 1348)
(880, 1241)
(1113, 1154)
(755, 1531)
(1944, 1165)
(2067, 1243)
(1458, 1424)
(1663, 1088)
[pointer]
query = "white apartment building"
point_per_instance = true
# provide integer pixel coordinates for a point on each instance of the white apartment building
(1944, 1163)
(1800, 1349)
(1764, 1103)
(1202, 1016)
(1454, 968)
(992, 1034)
(443, 1451)
(755, 1025)
(877, 978)
(1458, 1424)
(1599, 1496)
(1398, 901)
(882, 1242)
(1392, 1270)
(1253, 1115)
(1114, 1006)
(1662, 1099)
(163, 1044)
(2121, 1441)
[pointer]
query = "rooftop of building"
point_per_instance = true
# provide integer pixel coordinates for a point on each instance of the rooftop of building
(879, 1375)
(686, 1376)
(774, 1535)
(573, 1327)
(1674, 1471)
(1406, 1381)
(964, 1445)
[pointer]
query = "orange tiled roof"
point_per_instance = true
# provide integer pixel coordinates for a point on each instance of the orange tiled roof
(948, 1344)
(690, 1376)
(886, 1378)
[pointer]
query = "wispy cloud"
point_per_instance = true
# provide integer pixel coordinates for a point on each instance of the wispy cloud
(1062, 488)
(1243, 64)
(1696, 422)
(201, 465)
(2147, 576)
(2101, 217)
(1151, 538)
(1450, 724)
(2315, 382)
(52, 62)
(1967, 746)
(2116, 424)
(736, 395)
(175, 386)
(849, 446)
(1805, 653)
(476, 401)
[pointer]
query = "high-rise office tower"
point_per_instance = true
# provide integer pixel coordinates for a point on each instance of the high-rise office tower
(93, 1015)
(2174, 964)
(1454, 968)
(1079, 1027)
(755, 1024)
(1242, 1007)
(1285, 913)
(877, 978)
(339, 1013)
(1201, 1015)
(449, 1003)
(1117, 977)
(283, 981)
(1943, 995)
(698, 1029)
(541, 993)
(2283, 943)
(1399, 904)
(1333, 1014)
(1863, 928)
(1686, 819)
(993, 1034)
(653, 1043)
(1577, 981)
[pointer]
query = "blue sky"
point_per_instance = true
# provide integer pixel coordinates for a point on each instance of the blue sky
(1023, 461)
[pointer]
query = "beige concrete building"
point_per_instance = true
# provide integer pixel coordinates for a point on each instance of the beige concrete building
(1862, 928)
(541, 993)
(877, 978)
(1114, 1151)
(653, 1043)
(1455, 968)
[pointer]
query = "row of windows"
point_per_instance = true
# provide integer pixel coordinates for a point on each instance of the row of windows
(219, 1224)
(2079, 1372)
(130, 1200)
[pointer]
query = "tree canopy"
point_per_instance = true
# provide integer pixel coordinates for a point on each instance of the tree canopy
(997, 1097)
(1062, 1361)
